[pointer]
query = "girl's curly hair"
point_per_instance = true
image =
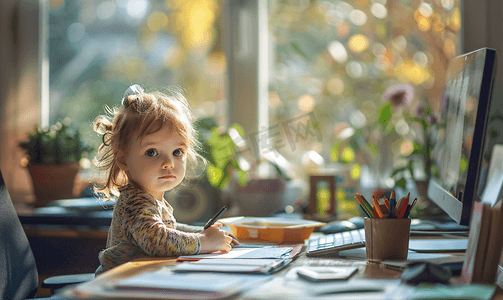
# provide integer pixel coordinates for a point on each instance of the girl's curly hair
(141, 114)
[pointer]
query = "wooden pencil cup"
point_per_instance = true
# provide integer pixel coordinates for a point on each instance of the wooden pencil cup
(386, 239)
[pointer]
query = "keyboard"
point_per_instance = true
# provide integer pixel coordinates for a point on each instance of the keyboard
(333, 243)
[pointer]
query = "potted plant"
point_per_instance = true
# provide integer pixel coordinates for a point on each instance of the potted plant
(199, 199)
(53, 160)
(220, 148)
(229, 168)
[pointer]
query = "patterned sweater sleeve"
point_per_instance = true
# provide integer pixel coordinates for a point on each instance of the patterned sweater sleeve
(188, 228)
(144, 224)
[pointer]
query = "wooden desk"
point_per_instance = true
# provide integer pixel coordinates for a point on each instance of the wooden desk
(96, 287)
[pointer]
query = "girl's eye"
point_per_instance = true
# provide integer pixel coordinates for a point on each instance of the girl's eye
(151, 152)
(178, 152)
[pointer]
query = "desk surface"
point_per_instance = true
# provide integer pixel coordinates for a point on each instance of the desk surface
(97, 286)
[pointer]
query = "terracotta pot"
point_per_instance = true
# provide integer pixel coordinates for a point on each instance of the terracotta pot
(53, 182)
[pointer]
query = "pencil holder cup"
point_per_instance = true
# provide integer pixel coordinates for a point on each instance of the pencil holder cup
(386, 239)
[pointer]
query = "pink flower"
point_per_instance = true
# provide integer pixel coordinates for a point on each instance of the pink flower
(399, 95)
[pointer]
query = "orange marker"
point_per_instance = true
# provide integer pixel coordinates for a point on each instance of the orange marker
(398, 207)
(404, 205)
(377, 207)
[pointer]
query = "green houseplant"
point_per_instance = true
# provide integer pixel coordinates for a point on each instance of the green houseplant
(221, 151)
(53, 159)
(229, 168)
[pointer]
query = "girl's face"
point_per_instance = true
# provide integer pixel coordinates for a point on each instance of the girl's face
(157, 162)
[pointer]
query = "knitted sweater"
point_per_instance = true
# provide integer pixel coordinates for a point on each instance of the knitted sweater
(144, 226)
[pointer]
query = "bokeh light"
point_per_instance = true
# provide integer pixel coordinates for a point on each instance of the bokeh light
(358, 17)
(343, 30)
(338, 51)
(335, 86)
(399, 42)
(306, 103)
(356, 69)
(454, 20)
(347, 155)
(378, 10)
(358, 43)
(105, 10)
(425, 9)
(408, 71)
(420, 59)
(137, 9)
(406, 147)
(355, 172)
(424, 23)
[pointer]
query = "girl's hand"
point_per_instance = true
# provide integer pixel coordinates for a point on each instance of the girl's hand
(235, 240)
(214, 239)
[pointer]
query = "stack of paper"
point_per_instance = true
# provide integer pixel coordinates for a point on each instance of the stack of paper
(167, 285)
(255, 266)
(245, 253)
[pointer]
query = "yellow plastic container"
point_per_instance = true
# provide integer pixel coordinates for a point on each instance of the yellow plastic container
(271, 229)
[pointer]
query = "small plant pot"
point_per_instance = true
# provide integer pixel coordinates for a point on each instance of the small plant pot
(53, 182)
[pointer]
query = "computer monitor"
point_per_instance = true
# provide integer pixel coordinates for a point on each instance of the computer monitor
(459, 141)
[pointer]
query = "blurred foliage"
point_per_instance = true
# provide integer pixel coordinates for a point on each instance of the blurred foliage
(332, 57)
(221, 151)
(345, 54)
(99, 48)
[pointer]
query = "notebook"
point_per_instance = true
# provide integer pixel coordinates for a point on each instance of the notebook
(167, 285)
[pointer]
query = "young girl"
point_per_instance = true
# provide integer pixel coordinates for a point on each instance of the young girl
(145, 151)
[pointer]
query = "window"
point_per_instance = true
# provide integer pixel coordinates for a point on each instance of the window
(98, 48)
(328, 64)
(331, 63)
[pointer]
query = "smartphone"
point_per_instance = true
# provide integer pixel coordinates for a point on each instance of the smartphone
(326, 273)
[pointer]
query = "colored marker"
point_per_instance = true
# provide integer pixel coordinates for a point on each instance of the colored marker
(369, 207)
(398, 207)
(405, 203)
(364, 205)
(392, 204)
(409, 208)
(377, 207)
(386, 202)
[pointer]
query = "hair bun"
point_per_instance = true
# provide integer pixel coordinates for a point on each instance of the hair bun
(134, 89)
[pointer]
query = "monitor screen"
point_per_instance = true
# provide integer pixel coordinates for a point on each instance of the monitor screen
(460, 139)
